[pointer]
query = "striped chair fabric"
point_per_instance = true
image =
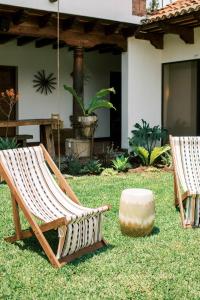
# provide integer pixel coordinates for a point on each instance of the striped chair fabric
(186, 152)
(46, 201)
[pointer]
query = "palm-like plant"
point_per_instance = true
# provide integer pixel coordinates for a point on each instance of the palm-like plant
(98, 101)
(150, 158)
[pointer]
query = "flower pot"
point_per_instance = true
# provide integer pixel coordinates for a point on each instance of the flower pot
(88, 125)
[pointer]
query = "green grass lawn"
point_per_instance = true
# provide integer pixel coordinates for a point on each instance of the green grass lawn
(165, 265)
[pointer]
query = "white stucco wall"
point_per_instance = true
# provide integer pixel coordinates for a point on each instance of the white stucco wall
(144, 86)
(29, 60)
(143, 67)
(104, 9)
(176, 49)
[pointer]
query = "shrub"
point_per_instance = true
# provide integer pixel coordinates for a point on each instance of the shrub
(144, 141)
(74, 167)
(146, 136)
(150, 158)
(8, 143)
(92, 167)
(121, 164)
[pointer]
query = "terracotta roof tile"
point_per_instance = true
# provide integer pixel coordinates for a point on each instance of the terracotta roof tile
(177, 8)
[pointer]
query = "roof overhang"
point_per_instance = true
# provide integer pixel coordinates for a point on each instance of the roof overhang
(39, 26)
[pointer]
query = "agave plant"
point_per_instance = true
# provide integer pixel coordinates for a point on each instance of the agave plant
(8, 143)
(150, 158)
(121, 164)
(98, 101)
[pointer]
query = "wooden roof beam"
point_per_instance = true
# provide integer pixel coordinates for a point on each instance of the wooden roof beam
(44, 42)
(24, 40)
(62, 44)
(128, 31)
(44, 20)
(68, 23)
(156, 39)
(71, 37)
(4, 24)
(19, 17)
(111, 28)
(4, 38)
(89, 26)
(185, 33)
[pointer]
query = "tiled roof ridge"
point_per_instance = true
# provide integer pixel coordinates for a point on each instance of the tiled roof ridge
(174, 9)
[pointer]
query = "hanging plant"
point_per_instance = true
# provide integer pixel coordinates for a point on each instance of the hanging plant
(44, 84)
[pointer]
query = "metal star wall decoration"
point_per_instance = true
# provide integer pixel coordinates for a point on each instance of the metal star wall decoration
(44, 84)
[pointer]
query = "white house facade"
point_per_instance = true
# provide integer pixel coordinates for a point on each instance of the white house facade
(149, 85)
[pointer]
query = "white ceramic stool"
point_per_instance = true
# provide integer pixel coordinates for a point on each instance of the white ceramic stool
(137, 212)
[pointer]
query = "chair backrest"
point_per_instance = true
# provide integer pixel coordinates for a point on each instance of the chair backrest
(28, 171)
(186, 158)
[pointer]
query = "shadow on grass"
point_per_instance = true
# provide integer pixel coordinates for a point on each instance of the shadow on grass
(155, 231)
(32, 244)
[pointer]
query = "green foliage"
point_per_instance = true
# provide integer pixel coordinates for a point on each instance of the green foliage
(109, 172)
(98, 101)
(146, 136)
(92, 167)
(69, 164)
(166, 159)
(121, 164)
(150, 158)
(153, 5)
(8, 143)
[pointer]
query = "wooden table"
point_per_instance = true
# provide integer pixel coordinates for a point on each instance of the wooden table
(46, 134)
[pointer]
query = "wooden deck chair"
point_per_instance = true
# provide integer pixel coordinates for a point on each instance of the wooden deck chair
(186, 160)
(37, 194)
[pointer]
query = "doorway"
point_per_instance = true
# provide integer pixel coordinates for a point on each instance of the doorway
(8, 80)
(180, 98)
(115, 115)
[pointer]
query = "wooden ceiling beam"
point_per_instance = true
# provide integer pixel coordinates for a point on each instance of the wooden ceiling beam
(156, 39)
(24, 40)
(4, 23)
(187, 35)
(44, 20)
(4, 38)
(19, 17)
(128, 31)
(111, 28)
(89, 26)
(43, 42)
(68, 23)
(62, 44)
(71, 37)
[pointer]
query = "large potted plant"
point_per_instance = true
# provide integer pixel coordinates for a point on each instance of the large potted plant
(88, 119)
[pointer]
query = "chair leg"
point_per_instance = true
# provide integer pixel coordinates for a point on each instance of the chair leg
(62, 234)
(16, 218)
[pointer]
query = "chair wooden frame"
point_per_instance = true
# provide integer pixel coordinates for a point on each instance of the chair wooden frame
(179, 197)
(38, 230)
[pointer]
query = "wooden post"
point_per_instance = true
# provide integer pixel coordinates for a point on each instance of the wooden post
(78, 85)
(46, 138)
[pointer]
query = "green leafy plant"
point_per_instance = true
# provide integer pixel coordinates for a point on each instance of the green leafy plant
(8, 143)
(98, 101)
(150, 158)
(166, 159)
(92, 167)
(109, 172)
(74, 167)
(121, 164)
(146, 136)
